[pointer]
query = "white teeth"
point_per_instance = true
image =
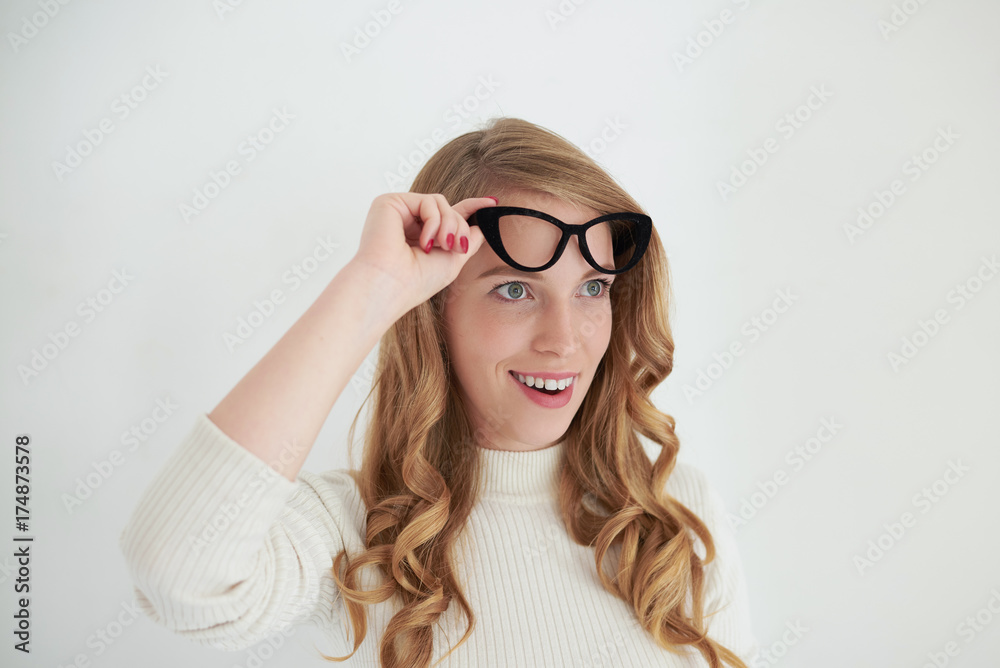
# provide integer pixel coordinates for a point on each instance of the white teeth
(546, 383)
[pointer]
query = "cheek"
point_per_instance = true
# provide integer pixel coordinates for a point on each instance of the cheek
(595, 347)
(480, 338)
(496, 334)
(596, 332)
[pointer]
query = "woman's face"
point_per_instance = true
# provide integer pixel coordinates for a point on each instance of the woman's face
(549, 323)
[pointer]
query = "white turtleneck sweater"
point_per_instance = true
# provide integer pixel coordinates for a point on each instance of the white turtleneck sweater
(225, 551)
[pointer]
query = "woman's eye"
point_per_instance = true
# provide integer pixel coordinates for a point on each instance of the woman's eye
(514, 294)
(514, 291)
(603, 291)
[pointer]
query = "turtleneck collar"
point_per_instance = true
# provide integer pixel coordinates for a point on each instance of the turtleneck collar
(527, 475)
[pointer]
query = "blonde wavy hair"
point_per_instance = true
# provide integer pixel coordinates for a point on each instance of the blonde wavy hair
(419, 475)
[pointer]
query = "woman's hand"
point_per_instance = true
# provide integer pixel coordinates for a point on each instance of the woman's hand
(398, 230)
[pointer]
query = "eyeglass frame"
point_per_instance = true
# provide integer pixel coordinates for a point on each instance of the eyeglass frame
(488, 219)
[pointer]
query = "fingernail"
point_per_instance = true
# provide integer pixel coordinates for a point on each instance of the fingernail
(427, 248)
(451, 241)
(494, 198)
(465, 244)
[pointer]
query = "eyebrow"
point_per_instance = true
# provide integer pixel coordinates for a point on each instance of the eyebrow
(511, 271)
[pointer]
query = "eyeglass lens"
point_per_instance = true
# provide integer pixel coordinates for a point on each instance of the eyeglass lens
(532, 241)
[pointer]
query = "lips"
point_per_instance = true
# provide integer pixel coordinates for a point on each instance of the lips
(550, 399)
(551, 380)
(555, 375)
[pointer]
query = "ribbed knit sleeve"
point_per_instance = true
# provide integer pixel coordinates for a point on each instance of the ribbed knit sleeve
(226, 551)
(725, 582)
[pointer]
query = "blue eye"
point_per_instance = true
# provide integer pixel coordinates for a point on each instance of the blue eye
(519, 292)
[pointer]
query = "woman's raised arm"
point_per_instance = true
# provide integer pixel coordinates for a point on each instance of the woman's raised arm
(277, 410)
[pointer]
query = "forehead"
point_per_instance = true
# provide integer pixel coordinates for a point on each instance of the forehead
(561, 209)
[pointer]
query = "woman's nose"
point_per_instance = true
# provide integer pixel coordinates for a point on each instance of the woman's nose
(557, 330)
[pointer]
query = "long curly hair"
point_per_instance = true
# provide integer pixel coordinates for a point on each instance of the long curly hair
(419, 477)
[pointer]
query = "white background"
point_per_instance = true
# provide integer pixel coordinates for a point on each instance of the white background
(681, 130)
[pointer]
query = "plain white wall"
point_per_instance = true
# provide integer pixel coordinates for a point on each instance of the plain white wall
(892, 75)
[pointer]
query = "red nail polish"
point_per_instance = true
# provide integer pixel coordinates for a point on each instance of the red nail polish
(451, 241)
(427, 248)
(494, 198)
(465, 244)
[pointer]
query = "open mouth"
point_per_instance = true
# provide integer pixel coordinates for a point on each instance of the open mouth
(540, 389)
(547, 398)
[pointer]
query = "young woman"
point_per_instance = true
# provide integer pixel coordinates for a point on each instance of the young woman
(506, 511)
